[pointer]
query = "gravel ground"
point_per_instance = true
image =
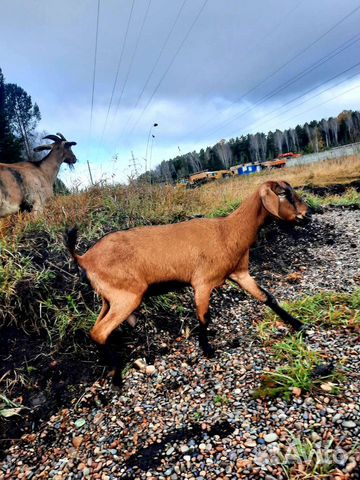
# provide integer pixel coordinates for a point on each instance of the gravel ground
(191, 417)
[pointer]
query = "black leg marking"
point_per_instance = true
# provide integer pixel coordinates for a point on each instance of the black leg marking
(284, 315)
(208, 350)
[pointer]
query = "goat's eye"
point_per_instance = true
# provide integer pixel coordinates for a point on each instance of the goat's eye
(282, 195)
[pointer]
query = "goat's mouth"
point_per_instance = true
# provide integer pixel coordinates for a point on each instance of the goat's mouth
(303, 219)
(70, 163)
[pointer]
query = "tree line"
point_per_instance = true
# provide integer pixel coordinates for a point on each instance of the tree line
(19, 117)
(314, 136)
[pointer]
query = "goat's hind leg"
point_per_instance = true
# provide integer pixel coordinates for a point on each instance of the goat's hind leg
(121, 307)
(112, 315)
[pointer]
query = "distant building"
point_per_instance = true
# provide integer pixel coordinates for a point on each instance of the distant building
(245, 169)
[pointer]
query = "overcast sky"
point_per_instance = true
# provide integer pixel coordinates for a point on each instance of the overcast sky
(203, 70)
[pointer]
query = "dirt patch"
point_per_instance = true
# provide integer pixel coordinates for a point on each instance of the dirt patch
(337, 189)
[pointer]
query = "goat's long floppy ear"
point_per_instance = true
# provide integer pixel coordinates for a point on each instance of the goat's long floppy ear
(270, 200)
(42, 147)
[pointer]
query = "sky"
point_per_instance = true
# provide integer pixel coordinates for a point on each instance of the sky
(202, 70)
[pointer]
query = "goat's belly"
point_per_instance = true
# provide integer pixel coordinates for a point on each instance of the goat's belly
(165, 287)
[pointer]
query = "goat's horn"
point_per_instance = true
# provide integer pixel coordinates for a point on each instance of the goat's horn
(42, 147)
(54, 138)
(61, 136)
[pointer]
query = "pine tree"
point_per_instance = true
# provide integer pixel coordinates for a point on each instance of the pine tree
(10, 149)
(23, 116)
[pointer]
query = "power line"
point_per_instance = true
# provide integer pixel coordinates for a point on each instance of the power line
(289, 82)
(298, 54)
(94, 69)
(171, 63)
(323, 103)
(133, 56)
(309, 91)
(118, 69)
(157, 60)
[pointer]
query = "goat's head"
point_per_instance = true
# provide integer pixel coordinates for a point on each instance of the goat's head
(60, 145)
(281, 201)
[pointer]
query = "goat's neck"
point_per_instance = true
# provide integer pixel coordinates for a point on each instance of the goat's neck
(245, 223)
(51, 166)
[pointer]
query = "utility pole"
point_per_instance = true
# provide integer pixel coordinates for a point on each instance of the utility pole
(91, 177)
(134, 164)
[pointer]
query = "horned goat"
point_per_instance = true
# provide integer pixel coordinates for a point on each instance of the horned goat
(203, 253)
(27, 186)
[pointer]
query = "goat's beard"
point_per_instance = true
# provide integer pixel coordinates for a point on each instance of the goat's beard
(71, 166)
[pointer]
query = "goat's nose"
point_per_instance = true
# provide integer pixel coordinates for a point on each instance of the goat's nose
(304, 218)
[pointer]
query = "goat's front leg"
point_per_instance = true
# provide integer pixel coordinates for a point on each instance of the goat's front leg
(37, 208)
(202, 300)
(245, 281)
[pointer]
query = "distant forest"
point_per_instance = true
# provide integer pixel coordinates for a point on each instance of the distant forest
(308, 138)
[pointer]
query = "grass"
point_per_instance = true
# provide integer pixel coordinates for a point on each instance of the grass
(40, 290)
(99, 210)
(8, 408)
(69, 318)
(226, 209)
(221, 400)
(328, 309)
(350, 198)
(308, 460)
(296, 375)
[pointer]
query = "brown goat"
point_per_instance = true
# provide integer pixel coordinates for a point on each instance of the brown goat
(27, 186)
(201, 252)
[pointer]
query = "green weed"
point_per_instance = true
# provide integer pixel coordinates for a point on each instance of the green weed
(327, 309)
(306, 460)
(226, 209)
(221, 400)
(298, 364)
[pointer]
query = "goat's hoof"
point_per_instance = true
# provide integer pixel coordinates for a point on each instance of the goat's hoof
(303, 329)
(209, 351)
(117, 379)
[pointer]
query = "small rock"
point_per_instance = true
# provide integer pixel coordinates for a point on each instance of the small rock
(77, 441)
(170, 451)
(250, 443)
(296, 391)
(351, 465)
(270, 437)
(150, 370)
(349, 424)
(140, 364)
(98, 418)
(80, 422)
(337, 417)
(327, 387)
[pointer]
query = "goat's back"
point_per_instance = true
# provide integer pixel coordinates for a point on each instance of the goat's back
(157, 253)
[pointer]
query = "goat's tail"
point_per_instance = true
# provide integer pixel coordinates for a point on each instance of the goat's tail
(70, 239)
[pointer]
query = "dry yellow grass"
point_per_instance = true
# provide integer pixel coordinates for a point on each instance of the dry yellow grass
(320, 174)
(165, 203)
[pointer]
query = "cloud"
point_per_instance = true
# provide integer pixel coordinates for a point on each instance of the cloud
(236, 55)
